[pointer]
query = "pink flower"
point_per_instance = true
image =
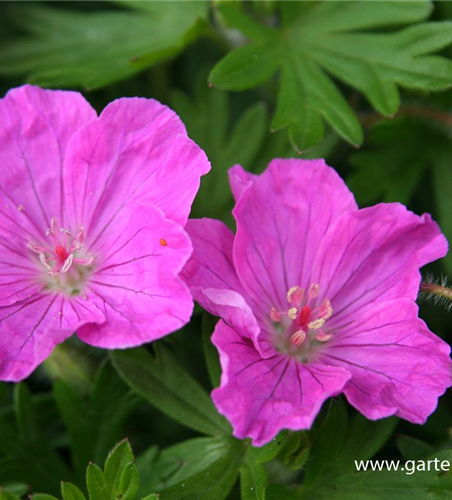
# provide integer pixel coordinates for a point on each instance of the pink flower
(317, 298)
(92, 211)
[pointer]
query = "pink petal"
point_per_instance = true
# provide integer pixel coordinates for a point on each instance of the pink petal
(35, 128)
(211, 276)
(282, 218)
(398, 367)
(17, 272)
(29, 330)
(136, 280)
(137, 151)
(374, 255)
(262, 396)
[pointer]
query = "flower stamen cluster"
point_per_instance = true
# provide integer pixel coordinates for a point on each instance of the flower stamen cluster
(64, 250)
(306, 320)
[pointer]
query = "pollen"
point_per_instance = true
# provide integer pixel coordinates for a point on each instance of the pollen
(163, 242)
(302, 327)
(62, 251)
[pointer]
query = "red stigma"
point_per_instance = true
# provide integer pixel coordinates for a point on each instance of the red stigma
(305, 314)
(61, 253)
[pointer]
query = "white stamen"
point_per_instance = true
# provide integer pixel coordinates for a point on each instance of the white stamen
(316, 324)
(68, 263)
(292, 291)
(274, 315)
(323, 337)
(292, 313)
(42, 258)
(313, 291)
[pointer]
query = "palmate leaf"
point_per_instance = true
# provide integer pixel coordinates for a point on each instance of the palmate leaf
(70, 48)
(319, 39)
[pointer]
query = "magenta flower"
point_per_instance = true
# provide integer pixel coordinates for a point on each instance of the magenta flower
(316, 298)
(92, 211)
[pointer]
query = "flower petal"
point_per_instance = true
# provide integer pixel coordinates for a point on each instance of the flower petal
(398, 367)
(137, 151)
(262, 396)
(35, 128)
(211, 276)
(374, 255)
(29, 330)
(282, 217)
(136, 280)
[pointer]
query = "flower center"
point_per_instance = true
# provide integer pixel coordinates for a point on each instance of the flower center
(63, 258)
(302, 327)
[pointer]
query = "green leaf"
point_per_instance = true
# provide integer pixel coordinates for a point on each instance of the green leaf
(129, 483)
(71, 492)
(164, 383)
(17, 489)
(247, 66)
(25, 415)
(7, 495)
(389, 485)
(328, 442)
(179, 462)
(253, 480)
(118, 460)
(442, 181)
(269, 451)
(207, 117)
(391, 165)
(213, 483)
(412, 448)
(232, 13)
(28, 454)
(338, 442)
(327, 37)
(94, 423)
(280, 492)
(210, 353)
(95, 482)
(67, 48)
(42, 496)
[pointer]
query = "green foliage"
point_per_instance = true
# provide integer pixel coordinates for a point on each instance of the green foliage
(332, 37)
(338, 441)
(208, 120)
(92, 49)
(389, 485)
(165, 384)
(25, 452)
(94, 422)
(118, 481)
(161, 469)
(210, 352)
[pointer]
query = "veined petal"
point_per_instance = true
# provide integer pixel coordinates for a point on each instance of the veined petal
(211, 276)
(137, 151)
(35, 128)
(374, 255)
(30, 329)
(260, 396)
(282, 217)
(18, 274)
(398, 366)
(136, 280)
